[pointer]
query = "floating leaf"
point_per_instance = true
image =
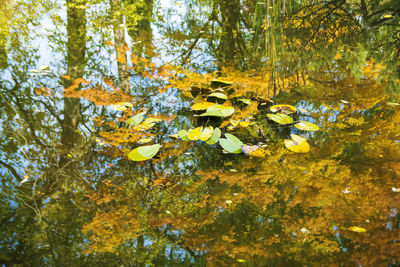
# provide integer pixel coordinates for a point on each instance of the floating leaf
(183, 135)
(215, 137)
(392, 104)
(255, 151)
(218, 95)
(220, 83)
(229, 146)
(231, 143)
(219, 111)
(298, 144)
(357, 229)
(202, 105)
(137, 119)
(306, 126)
(146, 124)
(246, 101)
(144, 152)
(145, 140)
(244, 124)
(194, 134)
(206, 133)
(284, 109)
(122, 106)
(280, 118)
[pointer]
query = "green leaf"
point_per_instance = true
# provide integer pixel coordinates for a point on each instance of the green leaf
(218, 95)
(137, 119)
(280, 118)
(144, 152)
(215, 137)
(231, 143)
(229, 146)
(306, 126)
(183, 135)
(219, 111)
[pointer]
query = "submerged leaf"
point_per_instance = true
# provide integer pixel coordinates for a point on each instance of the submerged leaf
(298, 144)
(280, 118)
(144, 152)
(306, 126)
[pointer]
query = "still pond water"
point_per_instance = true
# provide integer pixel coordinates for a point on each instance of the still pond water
(199, 133)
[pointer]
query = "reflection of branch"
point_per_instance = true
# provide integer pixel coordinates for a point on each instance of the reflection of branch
(25, 115)
(11, 169)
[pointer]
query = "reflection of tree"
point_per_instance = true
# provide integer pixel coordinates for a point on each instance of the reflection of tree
(120, 44)
(76, 47)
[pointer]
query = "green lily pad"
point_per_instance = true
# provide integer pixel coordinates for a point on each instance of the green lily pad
(183, 134)
(219, 111)
(144, 152)
(215, 137)
(231, 143)
(280, 118)
(306, 126)
(218, 95)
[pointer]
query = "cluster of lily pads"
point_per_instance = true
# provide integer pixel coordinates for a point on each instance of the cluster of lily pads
(210, 135)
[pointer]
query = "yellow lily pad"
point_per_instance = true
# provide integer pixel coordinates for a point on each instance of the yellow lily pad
(202, 105)
(284, 109)
(298, 144)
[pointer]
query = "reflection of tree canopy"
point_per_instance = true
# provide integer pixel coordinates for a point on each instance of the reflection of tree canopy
(84, 202)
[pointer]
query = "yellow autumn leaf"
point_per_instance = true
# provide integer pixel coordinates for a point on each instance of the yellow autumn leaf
(357, 229)
(202, 105)
(194, 134)
(298, 144)
(206, 133)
